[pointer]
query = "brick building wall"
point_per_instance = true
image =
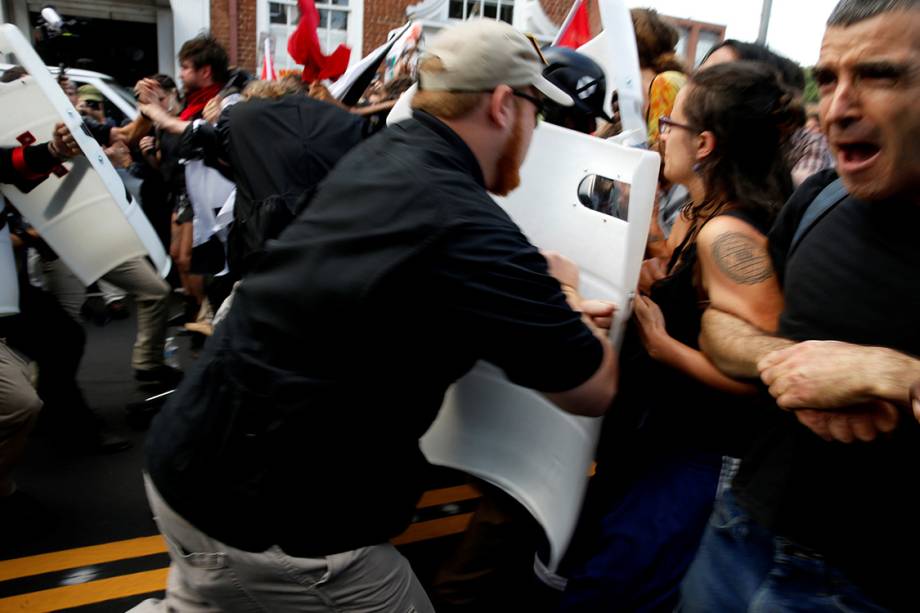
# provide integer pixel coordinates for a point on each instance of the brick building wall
(556, 10)
(381, 16)
(245, 26)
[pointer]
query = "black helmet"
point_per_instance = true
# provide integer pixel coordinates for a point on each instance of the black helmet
(584, 80)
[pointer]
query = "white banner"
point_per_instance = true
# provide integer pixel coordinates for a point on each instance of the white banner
(344, 83)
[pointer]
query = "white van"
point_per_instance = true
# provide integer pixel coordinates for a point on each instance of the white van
(120, 102)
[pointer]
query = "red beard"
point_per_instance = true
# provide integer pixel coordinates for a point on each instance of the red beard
(508, 167)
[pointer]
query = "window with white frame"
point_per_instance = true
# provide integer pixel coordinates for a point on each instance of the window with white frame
(494, 9)
(283, 16)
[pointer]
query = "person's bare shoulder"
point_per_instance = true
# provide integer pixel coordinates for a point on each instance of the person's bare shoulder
(736, 249)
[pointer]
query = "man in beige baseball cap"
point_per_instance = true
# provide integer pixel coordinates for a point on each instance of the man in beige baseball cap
(481, 54)
(91, 102)
(479, 77)
(415, 274)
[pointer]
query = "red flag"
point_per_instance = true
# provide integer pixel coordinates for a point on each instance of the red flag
(268, 64)
(303, 47)
(576, 29)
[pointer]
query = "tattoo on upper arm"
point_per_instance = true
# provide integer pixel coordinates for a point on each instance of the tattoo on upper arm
(741, 258)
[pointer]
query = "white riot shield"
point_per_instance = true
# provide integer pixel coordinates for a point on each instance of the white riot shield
(515, 437)
(615, 50)
(86, 216)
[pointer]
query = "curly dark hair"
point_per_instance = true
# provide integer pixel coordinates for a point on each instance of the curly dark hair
(752, 115)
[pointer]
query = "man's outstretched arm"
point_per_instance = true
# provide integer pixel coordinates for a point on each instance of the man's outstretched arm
(734, 345)
(841, 392)
(835, 375)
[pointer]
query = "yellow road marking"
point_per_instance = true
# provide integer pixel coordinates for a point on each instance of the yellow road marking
(82, 556)
(447, 495)
(155, 580)
(69, 596)
(149, 545)
(424, 530)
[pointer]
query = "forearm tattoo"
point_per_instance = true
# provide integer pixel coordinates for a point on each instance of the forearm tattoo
(741, 258)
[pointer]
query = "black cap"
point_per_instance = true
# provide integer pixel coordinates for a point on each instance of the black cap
(584, 80)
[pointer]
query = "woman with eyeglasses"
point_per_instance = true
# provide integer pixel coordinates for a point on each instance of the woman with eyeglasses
(676, 415)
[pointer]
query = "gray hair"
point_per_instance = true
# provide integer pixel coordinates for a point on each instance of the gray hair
(848, 12)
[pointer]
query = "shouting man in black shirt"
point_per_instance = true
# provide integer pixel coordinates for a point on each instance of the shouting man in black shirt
(284, 464)
(823, 513)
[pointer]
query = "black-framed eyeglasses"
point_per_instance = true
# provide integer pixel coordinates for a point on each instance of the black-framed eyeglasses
(665, 124)
(538, 103)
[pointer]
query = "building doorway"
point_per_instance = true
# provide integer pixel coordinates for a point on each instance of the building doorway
(126, 50)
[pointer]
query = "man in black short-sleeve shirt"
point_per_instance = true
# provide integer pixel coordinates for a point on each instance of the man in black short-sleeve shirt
(294, 441)
(823, 513)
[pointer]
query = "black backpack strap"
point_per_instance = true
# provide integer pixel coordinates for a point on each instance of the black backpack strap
(827, 198)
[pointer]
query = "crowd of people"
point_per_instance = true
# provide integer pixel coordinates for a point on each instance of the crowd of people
(762, 416)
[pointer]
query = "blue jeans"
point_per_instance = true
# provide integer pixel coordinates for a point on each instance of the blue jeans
(646, 538)
(743, 567)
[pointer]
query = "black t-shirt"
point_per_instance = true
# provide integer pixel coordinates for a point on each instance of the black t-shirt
(854, 277)
(299, 426)
(660, 409)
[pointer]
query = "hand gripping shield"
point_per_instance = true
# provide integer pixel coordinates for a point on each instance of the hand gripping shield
(515, 437)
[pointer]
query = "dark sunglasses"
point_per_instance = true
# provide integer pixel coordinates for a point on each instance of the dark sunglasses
(538, 103)
(92, 104)
(665, 124)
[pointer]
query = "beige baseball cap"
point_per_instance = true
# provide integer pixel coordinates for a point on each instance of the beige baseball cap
(481, 54)
(89, 92)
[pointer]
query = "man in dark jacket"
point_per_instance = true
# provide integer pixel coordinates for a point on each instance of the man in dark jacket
(401, 273)
(277, 150)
